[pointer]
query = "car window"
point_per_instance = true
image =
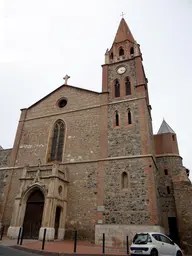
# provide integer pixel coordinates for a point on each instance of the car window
(157, 237)
(165, 239)
(141, 238)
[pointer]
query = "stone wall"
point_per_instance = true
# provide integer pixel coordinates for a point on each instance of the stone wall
(125, 206)
(124, 139)
(82, 200)
(183, 196)
(11, 189)
(3, 180)
(4, 157)
(4, 174)
(137, 203)
(115, 235)
(173, 165)
(82, 125)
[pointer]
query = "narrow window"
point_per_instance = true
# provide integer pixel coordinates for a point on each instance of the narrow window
(124, 180)
(166, 171)
(54, 143)
(127, 86)
(132, 51)
(117, 88)
(60, 143)
(173, 137)
(111, 56)
(116, 118)
(168, 190)
(121, 51)
(57, 142)
(129, 117)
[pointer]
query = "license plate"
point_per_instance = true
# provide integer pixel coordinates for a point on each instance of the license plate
(136, 252)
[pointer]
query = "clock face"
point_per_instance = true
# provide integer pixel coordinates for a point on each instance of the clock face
(121, 70)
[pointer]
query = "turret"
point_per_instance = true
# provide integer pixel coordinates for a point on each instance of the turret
(166, 140)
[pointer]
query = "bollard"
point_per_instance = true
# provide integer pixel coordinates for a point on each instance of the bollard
(19, 235)
(127, 245)
(44, 235)
(103, 243)
(75, 241)
(22, 234)
(2, 231)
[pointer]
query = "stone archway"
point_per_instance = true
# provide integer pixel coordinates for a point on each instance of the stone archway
(33, 214)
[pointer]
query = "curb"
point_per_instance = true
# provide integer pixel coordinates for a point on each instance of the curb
(20, 248)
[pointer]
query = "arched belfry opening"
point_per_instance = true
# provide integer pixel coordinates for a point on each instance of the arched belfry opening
(121, 51)
(33, 214)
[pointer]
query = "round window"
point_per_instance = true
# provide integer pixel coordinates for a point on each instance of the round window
(62, 103)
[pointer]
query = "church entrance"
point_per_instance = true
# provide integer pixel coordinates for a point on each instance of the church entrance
(33, 215)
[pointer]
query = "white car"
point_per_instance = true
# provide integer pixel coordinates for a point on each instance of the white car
(154, 244)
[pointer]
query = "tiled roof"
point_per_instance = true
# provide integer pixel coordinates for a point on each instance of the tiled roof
(165, 128)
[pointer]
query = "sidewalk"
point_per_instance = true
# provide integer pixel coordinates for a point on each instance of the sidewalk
(83, 248)
(11, 242)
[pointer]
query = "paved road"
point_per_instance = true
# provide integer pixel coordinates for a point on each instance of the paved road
(6, 251)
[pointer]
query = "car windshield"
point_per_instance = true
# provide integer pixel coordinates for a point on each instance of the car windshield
(141, 238)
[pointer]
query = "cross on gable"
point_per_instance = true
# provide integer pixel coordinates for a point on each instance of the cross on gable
(66, 78)
(122, 14)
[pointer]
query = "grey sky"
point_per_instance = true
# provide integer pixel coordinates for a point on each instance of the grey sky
(42, 40)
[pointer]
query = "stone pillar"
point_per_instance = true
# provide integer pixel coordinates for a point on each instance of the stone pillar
(61, 230)
(48, 220)
(49, 210)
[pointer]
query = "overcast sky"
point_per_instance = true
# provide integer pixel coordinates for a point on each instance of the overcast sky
(43, 40)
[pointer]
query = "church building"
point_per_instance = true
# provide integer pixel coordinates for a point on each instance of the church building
(89, 161)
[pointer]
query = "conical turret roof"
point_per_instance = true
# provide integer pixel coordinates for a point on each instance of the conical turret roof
(165, 128)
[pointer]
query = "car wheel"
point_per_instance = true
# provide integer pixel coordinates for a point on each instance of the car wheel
(179, 253)
(154, 252)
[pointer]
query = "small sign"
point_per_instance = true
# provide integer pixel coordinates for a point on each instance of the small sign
(100, 208)
(100, 221)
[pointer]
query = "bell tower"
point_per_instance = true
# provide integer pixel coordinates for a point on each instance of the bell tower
(130, 191)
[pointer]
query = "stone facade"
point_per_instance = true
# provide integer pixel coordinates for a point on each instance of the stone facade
(182, 193)
(4, 157)
(96, 171)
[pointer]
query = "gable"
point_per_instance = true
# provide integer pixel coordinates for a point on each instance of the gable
(77, 98)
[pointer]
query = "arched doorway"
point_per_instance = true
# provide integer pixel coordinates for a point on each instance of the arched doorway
(33, 215)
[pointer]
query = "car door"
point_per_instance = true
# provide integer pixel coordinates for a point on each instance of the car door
(168, 247)
(159, 244)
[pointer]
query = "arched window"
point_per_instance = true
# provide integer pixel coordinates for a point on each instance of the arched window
(57, 142)
(129, 116)
(132, 51)
(111, 56)
(121, 51)
(116, 118)
(124, 180)
(117, 88)
(127, 86)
